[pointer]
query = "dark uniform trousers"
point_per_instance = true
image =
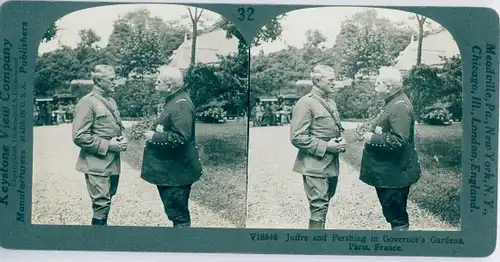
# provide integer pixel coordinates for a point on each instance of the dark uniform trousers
(319, 192)
(393, 202)
(176, 204)
(101, 190)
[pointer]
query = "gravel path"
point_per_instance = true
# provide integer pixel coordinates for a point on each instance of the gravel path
(276, 197)
(60, 196)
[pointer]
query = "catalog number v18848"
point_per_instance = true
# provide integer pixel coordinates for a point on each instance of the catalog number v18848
(263, 237)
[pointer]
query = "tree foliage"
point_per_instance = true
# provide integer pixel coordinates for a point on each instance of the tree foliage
(431, 86)
(140, 54)
(50, 33)
(139, 43)
(276, 73)
(136, 37)
(366, 54)
(367, 41)
(55, 70)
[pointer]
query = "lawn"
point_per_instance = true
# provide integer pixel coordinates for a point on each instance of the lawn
(440, 153)
(223, 153)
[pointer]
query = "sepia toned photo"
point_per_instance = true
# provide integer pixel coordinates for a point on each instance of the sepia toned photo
(355, 123)
(140, 119)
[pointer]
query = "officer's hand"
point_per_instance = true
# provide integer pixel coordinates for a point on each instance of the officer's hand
(343, 143)
(336, 146)
(367, 136)
(114, 144)
(123, 143)
(149, 135)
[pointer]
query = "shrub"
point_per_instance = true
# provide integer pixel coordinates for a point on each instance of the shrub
(437, 114)
(427, 85)
(361, 129)
(141, 126)
(212, 112)
(137, 98)
(357, 100)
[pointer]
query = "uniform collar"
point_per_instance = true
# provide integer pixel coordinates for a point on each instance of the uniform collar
(173, 95)
(98, 91)
(316, 91)
(394, 95)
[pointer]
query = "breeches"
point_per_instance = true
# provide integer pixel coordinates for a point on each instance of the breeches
(176, 204)
(101, 190)
(319, 191)
(393, 202)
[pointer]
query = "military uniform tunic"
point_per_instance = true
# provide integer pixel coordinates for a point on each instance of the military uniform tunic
(171, 160)
(312, 126)
(93, 128)
(390, 159)
(171, 157)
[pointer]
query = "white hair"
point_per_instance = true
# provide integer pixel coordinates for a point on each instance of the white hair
(171, 74)
(391, 77)
(320, 71)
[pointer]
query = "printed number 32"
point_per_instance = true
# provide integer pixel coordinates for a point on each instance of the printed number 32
(245, 14)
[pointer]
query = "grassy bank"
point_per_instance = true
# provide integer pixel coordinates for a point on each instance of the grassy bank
(440, 153)
(223, 152)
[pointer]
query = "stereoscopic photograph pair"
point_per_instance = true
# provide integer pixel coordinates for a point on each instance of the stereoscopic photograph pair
(157, 116)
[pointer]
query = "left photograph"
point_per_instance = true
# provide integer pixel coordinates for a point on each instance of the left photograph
(140, 119)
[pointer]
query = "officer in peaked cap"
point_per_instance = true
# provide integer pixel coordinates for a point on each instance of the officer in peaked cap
(97, 130)
(170, 159)
(316, 131)
(390, 162)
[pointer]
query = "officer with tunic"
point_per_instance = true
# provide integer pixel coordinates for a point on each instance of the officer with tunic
(170, 159)
(315, 131)
(390, 161)
(97, 130)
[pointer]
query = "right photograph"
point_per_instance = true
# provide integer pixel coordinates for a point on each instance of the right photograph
(355, 122)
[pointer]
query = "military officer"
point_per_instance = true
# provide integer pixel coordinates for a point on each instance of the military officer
(170, 159)
(316, 131)
(97, 130)
(390, 162)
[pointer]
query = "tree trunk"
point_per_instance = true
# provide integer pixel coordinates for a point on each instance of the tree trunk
(421, 23)
(419, 47)
(193, 42)
(195, 18)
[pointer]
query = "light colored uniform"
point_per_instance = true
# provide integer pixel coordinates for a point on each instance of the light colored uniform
(312, 126)
(93, 127)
